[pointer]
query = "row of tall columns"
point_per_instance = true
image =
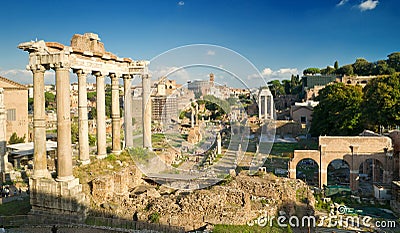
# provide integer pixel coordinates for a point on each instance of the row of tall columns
(64, 151)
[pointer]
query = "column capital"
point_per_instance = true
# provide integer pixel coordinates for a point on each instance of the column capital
(98, 73)
(146, 76)
(126, 76)
(37, 68)
(61, 66)
(114, 75)
(80, 72)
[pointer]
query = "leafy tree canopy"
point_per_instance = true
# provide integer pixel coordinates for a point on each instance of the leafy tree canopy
(338, 111)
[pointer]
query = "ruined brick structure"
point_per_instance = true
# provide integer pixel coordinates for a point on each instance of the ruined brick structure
(353, 150)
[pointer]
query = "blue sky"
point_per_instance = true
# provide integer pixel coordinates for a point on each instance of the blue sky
(278, 37)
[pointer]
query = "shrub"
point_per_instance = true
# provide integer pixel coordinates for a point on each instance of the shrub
(154, 217)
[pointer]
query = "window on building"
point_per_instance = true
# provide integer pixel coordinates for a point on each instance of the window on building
(11, 114)
(303, 120)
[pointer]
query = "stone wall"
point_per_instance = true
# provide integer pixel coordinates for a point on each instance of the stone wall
(50, 198)
(395, 136)
(117, 183)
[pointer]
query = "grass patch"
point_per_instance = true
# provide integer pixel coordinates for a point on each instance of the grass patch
(16, 207)
(286, 149)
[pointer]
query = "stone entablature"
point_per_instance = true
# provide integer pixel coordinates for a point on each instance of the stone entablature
(86, 53)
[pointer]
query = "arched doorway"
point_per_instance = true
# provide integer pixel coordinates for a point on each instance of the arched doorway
(370, 172)
(308, 171)
(339, 173)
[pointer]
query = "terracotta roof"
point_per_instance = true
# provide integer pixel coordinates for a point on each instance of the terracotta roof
(17, 85)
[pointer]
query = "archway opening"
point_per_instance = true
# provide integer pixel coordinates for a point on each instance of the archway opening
(308, 171)
(339, 173)
(370, 172)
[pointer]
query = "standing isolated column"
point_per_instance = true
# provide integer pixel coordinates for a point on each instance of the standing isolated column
(39, 124)
(64, 151)
(101, 116)
(83, 118)
(128, 112)
(271, 106)
(116, 124)
(259, 106)
(146, 108)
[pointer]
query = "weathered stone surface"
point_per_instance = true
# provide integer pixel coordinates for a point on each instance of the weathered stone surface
(237, 202)
(49, 197)
(87, 42)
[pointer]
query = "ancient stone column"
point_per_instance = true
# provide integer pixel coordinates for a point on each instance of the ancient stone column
(192, 117)
(64, 151)
(128, 112)
(219, 140)
(39, 124)
(259, 107)
(271, 107)
(197, 114)
(116, 124)
(83, 118)
(354, 173)
(101, 116)
(324, 177)
(146, 101)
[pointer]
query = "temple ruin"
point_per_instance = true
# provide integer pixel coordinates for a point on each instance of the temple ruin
(86, 55)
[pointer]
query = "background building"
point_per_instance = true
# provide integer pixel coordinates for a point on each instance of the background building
(16, 107)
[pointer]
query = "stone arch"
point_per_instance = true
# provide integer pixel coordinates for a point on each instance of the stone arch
(307, 170)
(299, 155)
(374, 170)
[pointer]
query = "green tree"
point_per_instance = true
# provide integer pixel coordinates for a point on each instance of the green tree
(14, 139)
(91, 96)
(287, 85)
(276, 88)
(49, 99)
(338, 111)
(346, 70)
(328, 70)
(30, 104)
(363, 67)
(394, 61)
(74, 132)
(336, 65)
(311, 71)
(382, 102)
(92, 140)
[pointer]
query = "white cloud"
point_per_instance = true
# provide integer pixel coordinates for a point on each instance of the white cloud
(181, 3)
(368, 5)
(342, 2)
(267, 71)
(210, 53)
(180, 75)
(269, 74)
